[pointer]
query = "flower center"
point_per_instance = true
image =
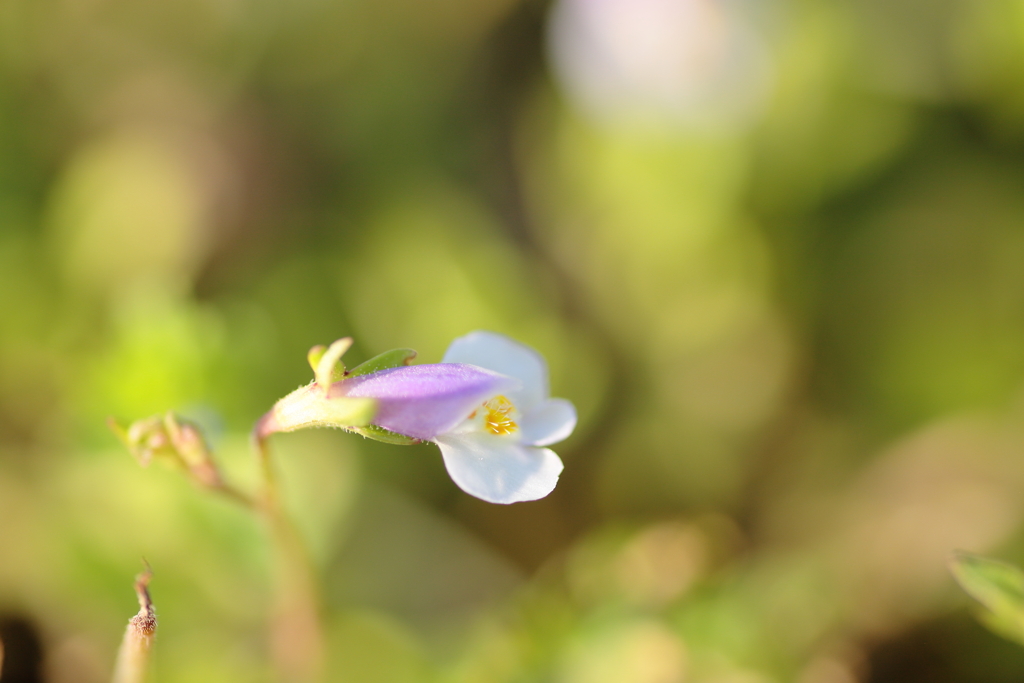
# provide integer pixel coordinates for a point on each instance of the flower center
(497, 416)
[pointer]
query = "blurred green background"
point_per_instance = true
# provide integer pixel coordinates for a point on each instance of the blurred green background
(773, 251)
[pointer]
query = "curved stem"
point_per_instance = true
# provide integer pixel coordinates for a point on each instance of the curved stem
(296, 637)
(235, 495)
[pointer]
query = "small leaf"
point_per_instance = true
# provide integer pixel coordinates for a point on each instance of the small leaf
(386, 436)
(314, 356)
(998, 586)
(389, 359)
(329, 368)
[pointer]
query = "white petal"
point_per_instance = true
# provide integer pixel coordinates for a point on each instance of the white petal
(498, 469)
(550, 422)
(493, 351)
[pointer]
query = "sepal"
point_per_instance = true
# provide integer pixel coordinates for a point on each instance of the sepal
(326, 361)
(311, 406)
(385, 361)
(386, 436)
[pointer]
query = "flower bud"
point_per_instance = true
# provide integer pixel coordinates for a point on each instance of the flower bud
(172, 440)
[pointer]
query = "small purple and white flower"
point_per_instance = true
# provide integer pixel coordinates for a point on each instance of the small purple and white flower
(486, 405)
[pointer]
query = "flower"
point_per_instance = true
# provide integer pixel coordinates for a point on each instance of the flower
(486, 406)
(423, 399)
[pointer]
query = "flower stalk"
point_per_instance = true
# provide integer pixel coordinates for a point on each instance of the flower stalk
(296, 631)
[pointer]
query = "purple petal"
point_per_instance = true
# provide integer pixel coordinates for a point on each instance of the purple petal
(423, 401)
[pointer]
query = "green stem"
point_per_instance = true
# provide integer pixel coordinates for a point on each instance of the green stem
(235, 495)
(297, 642)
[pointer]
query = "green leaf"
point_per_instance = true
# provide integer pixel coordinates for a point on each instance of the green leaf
(387, 436)
(999, 587)
(386, 360)
(314, 356)
(329, 368)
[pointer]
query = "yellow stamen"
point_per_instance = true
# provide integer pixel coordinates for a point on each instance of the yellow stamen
(497, 420)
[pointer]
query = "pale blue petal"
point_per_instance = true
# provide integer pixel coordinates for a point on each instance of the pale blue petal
(497, 352)
(550, 422)
(499, 469)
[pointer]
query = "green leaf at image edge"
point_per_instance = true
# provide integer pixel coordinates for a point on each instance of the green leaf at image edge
(998, 586)
(389, 359)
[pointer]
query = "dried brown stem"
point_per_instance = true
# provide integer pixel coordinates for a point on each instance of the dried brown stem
(133, 657)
